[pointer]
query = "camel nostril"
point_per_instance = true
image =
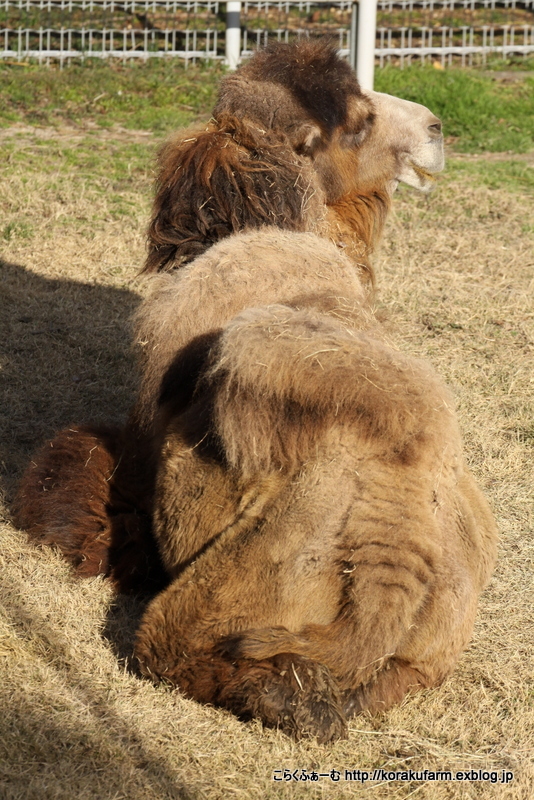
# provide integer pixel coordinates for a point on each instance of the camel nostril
(435, 128)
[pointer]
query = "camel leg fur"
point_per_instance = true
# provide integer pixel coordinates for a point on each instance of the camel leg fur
(287, 691)
(80, 495)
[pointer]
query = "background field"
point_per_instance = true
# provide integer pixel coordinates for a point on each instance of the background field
(456, 285)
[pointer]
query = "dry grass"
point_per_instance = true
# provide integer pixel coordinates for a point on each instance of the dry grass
(457, 279)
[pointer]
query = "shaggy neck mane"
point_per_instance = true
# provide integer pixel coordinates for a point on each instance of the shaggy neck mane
(228, 177)
(355, 223)
(233, 176)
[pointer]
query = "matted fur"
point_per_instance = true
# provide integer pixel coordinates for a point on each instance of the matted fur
(229, 277)
(312, 500)
(222, 179)
(56, 469)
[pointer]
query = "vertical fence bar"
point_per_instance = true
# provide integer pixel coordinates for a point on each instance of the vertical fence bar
(366, 43)
(233, 33)
(353, 48)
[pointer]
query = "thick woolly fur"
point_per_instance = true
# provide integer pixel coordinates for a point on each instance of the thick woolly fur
(326, 541)
(224, 178)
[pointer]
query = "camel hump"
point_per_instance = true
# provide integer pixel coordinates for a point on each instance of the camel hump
(285, 375)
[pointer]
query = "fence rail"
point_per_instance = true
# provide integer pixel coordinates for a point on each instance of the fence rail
(467, 31)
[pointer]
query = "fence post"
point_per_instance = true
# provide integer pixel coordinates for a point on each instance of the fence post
(363, 41)
(233, 33)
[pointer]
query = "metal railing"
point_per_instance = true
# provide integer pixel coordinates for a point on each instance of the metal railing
(467, 31)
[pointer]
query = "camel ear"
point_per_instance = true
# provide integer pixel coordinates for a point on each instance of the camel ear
(307, 139)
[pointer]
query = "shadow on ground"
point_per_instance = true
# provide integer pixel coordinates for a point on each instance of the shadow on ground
(72, 735)
(65, 356)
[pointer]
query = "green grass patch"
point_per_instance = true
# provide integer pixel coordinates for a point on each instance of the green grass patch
(511, 63)
(76, 184)
(120, 164)
(16, 230)
(512, 175)
(158, 96)
(478, 113)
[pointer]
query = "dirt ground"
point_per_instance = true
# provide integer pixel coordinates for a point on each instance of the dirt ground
(456, 285)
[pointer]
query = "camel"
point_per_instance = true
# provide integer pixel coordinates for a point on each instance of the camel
(293, 143)
(326, 542)
(323, 541)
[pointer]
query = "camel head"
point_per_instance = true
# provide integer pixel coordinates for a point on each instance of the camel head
(358, 142)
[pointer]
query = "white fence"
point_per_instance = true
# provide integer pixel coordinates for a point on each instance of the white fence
(467, 31)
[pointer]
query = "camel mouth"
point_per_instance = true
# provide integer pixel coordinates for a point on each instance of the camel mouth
(415, 134)
(422, 176)
(426, 176)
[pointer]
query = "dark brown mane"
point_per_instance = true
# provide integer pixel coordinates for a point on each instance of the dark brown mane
(283, 144)
(229, 177)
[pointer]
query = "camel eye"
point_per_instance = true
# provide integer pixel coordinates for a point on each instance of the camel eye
(350, 140)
